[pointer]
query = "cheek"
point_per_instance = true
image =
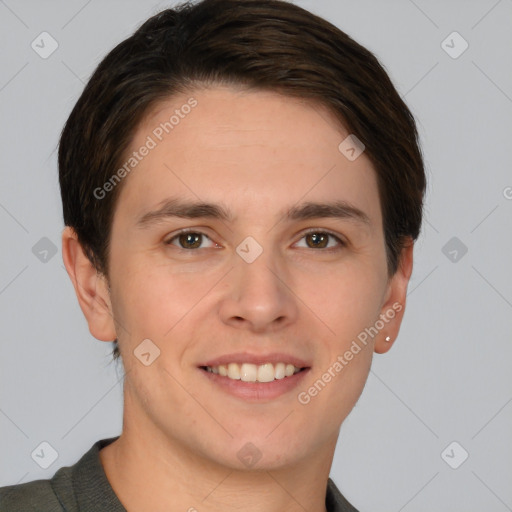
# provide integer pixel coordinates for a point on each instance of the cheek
(344, 300)
(332, 391)
(347, 301)
(150, 299)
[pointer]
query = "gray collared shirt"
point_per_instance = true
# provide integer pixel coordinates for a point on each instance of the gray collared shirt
(84, 487)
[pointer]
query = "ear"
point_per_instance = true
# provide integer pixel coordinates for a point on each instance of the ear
(91, 288)
(393, 308)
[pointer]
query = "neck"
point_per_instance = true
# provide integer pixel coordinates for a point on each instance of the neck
(150, 471)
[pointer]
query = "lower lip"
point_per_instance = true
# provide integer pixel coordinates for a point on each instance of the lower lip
(256, 391)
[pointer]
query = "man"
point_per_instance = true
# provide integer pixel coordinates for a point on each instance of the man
(242, 187)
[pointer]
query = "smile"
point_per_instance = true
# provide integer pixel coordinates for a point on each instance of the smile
(248, 372)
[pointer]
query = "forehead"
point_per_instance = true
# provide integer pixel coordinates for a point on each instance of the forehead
(224, 115)
(252, 149)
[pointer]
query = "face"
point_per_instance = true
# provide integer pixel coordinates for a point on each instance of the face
(284, 263)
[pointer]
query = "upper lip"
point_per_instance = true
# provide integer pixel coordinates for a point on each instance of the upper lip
(257, 359)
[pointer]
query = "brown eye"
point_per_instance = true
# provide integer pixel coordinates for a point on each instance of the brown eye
(315, 240)
(190, 240)
(321, 240)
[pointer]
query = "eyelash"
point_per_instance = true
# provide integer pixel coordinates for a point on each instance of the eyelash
(341, 243)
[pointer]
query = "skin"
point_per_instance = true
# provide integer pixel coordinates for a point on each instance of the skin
(257, 153)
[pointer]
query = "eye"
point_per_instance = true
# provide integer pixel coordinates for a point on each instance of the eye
(316, 239)
(187, 239)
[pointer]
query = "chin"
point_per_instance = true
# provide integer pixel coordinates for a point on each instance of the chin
(261, 453)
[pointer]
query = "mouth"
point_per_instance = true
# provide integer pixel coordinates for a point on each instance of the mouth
(248, 372)
(255, 378)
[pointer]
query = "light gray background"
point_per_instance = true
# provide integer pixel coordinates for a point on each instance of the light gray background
(448, 376)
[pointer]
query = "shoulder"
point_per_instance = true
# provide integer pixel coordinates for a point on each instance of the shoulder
(31, 496)
(335, 501)
(81, 486)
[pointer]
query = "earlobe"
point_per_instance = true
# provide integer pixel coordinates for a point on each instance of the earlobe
(91, 288)
(393, 310)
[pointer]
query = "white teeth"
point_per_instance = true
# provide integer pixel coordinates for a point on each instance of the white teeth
(266, 372)
(288, 371)
(233, 371)
(279, 368)
(248, 372)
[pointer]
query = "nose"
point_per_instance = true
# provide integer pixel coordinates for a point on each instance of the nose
(259, 297)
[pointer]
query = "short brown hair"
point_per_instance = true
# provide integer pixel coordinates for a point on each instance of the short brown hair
(258, 44)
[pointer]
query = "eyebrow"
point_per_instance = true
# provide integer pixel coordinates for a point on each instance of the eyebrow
(175, 207)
